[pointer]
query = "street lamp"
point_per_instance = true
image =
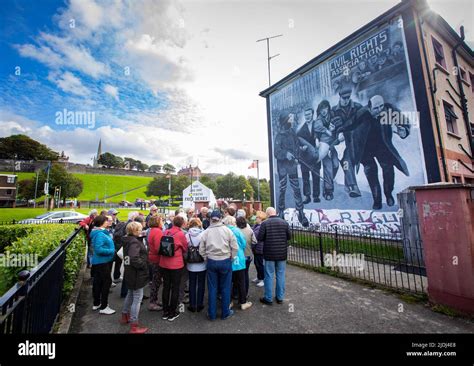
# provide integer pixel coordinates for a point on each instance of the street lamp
(244, 194)
(169, 189)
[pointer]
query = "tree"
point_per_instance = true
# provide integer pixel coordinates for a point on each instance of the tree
(168, 168)
(158, 187)
(264, 188)
(58, 177)
(110, 160)
(26, 189)
(232, 186)
(209, 182)
(155, 168)
(178, 184)
(142, 166)
(133, 163)
(25, 148)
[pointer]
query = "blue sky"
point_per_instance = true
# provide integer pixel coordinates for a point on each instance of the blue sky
(168, 81)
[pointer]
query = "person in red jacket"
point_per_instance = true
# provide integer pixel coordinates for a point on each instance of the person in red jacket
(88, 225)
(172, 269)
(154, 237)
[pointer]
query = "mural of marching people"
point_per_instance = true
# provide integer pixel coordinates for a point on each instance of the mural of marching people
(346, 137)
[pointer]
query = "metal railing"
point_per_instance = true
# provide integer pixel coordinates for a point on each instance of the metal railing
(380, 256)
(33, 304)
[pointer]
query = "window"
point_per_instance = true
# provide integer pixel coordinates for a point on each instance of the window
(463, 73)
(9, 192)
(456, 179)
(439, 53)
(471, 78)
(451, 118)
(11, 179)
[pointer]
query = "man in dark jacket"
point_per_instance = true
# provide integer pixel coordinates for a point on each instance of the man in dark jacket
(274, 233)
(287, 151)
(306, 134)
(373, 131)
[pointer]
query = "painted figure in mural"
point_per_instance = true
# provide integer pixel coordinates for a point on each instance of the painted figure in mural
(328, 131)
(372, 139)
(346, 110)
(287, 152)
(309, 155)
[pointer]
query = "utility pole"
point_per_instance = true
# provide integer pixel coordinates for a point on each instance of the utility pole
(268, 53)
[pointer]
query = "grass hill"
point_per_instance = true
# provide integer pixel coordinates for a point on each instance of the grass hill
(99, 185)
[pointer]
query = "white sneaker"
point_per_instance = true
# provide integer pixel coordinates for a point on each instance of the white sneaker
(95, 307)
(231, 305)
(113, 284)
(255, 280)
(246, 305)
(260, 284)
(107, 311)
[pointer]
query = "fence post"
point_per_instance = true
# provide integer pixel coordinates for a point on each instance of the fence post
(336, 239)
(321, 254)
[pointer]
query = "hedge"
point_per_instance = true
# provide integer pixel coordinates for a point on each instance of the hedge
(41, 240)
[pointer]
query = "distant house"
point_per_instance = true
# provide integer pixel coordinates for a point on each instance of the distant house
(7, 190)
(190, 171)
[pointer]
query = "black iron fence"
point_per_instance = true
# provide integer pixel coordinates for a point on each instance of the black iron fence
(376, 255)
(33, 304)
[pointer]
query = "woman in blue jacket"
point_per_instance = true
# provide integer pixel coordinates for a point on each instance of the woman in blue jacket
(103, 252)
(238, 264)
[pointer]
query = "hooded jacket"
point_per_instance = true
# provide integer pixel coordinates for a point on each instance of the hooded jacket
(103, 249)
(135, 256)
(193, 236)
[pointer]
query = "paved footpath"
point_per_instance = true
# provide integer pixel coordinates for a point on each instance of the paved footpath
(314, 303)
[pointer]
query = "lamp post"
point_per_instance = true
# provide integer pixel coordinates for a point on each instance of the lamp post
(169, 189)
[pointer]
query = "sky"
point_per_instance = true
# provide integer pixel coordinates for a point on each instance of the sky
(165, 81)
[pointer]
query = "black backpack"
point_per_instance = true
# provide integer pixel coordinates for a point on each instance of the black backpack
(193, 255)
(167, 246)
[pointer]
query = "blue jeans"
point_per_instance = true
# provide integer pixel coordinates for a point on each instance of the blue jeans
(132, 302)
(270, 268)
(197, 284)
(219, 277)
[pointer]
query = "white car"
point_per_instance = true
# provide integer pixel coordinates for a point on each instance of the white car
(56, 216)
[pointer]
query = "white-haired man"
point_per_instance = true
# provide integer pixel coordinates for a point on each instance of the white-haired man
(274, 233)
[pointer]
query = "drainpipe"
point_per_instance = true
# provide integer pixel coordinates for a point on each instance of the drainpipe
(465, 113)
(433, 100)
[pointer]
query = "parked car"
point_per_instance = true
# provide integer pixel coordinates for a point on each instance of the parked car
(56, 216)
(125, 204)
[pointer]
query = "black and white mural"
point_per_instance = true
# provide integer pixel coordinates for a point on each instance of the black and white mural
(345, 136)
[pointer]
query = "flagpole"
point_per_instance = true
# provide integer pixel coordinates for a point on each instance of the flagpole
(258, 181)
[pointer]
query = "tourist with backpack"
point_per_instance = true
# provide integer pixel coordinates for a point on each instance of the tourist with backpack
(196, 266)
(102, 258)
(154, 235)
(173, 248)
(238, 264)
(135, 259)
(218, 246)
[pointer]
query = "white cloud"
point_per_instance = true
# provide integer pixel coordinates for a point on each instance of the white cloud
(112, 91)
(42, 54)
(69, 83)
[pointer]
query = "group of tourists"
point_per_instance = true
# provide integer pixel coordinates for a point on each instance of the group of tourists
(181, 253)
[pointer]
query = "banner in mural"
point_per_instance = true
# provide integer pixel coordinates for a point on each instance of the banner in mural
(345, 135)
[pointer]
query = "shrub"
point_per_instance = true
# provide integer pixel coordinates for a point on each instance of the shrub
(42, 240)
(10, 233)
